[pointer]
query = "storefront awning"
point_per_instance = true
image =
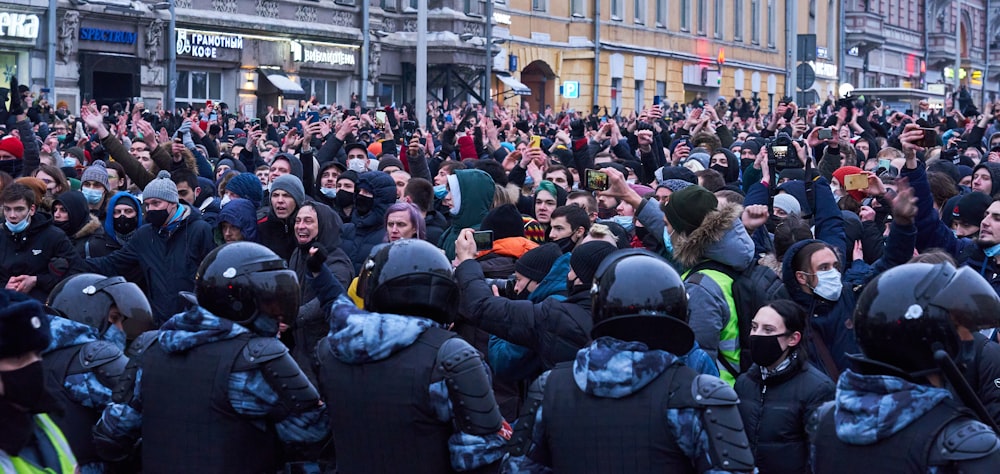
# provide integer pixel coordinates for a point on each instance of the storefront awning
(515, 85)
(287, 88)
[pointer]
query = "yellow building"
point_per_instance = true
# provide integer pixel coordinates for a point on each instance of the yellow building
(820, 18)
(670, 48)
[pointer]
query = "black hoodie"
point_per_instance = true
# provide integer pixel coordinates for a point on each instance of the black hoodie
(41, 250)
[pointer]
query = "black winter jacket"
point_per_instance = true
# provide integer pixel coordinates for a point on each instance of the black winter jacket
(775, 412)
(41, 250)
(554, 329)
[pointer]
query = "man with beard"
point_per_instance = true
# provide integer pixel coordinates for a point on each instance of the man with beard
(29, 441)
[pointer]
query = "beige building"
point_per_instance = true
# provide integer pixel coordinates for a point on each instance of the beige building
(643, 48)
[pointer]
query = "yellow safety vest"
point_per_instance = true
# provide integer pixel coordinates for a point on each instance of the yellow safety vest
(729, 338)
(67, 462)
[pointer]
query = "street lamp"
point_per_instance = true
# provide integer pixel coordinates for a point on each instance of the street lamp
(171, 54)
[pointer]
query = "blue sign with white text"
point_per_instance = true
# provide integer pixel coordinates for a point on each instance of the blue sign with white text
(571, 89)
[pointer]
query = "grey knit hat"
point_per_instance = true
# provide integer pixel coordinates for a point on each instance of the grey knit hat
(290, 184)
(675, 184)
(161, 188)
(96, 172)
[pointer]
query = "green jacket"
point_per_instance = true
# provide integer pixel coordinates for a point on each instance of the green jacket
(476, 190)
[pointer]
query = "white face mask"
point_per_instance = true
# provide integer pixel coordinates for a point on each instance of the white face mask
(225, 200)
(828, 285)
(357, 165)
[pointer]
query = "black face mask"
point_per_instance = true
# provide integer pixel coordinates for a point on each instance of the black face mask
(746, 162)
(62, 225)
(766, 350)
(606, 212)
(344, 199)
(565, 244)
(363, 204)
(12, 167)
(24, 386)
(772, 223)
(125, 225)
(157, 217)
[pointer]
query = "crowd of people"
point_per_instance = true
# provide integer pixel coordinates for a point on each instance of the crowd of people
(684, 288)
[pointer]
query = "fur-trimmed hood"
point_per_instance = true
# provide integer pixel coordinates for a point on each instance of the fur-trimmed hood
(92, 226)
(721, 237)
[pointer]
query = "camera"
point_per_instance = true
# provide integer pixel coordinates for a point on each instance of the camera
(504, 285)
(409, 128)
(781, 154)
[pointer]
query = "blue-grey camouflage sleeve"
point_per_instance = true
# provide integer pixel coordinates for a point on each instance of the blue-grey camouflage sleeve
(685, 425)
(87, 390)
(467, 451)
(251, 395)
(120, 426)
(533, 461)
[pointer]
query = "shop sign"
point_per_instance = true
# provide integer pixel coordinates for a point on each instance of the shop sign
(206, 45)
(305, 53)
(107, 36)
(18, 25)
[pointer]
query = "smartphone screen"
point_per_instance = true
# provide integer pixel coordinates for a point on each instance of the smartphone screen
(825, 134)
(536, 142)
(855, 182)
(930, 138)
(484, 239)
(656, 100)
(380, 117)
(597, 180)
(884, 163)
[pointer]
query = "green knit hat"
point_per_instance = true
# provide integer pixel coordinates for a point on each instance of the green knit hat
(688, 207)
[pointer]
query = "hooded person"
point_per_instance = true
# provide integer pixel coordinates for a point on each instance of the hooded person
(238, 221)
(206, 201)
(375, 192)
(293, 163)
(72, 214)
(729, 170)
(703, 230)
(471, 193)
(509, 243)
(316, 226)
(986, 178)
(277, 229)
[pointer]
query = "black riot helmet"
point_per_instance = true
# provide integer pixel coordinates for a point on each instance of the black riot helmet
(909, 311)
(410, 277)
(638, 296)
(243, 280)
(88, 297)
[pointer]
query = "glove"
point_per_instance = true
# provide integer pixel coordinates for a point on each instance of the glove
(184, 128)
(16, 103)
(316, 261)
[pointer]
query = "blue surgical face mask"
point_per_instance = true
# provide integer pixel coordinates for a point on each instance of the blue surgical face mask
(828, 284)
(440, 191)
(667, 243)
(329, 192)
(529, 181)
(19, 227)
(93, 195)
(624, 221)
(69, 162)
(992, 251)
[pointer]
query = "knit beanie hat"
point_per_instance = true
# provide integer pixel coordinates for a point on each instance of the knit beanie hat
(97, 172)
(843, 171)
(537, 262)
(161, 188)
(688, 207)
(24, 326)
(677, 172)
(388, 161)
(675, 185)
(505, 221)
(246, 186)
(587, 257)
(232, 164)
(787, 203)
(290, 184)
(12, 145)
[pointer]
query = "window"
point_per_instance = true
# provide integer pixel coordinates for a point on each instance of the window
(702, 16)
(195, 87)
(738, 20)
(617, 9)
(639, 6)
(772, 25)
(537, 5)
(414, 4)
(640, 92)
(345, 2)
(578, 9)
(324, 90)
(389, 5)
(685, 15)
(661, 13)
(720, 15)
(755, 21)
(616, 94)
(474, 8)
(661, 89)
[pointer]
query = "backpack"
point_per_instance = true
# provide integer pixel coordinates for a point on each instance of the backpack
(753, 288)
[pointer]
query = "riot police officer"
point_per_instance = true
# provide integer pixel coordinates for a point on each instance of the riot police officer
(892, 411)
(85, 360)
(405, 393)
(627, 404)
(217, 389)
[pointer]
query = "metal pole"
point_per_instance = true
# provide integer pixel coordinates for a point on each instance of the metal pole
(986, 71)
(597, 51)
(421, 104)
(50, 64)
(172, 59)
(488, 102)
(792, 45)
(365, 45)
(842, 48)
(958, 48)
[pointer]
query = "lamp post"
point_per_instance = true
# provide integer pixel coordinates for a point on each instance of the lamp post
(488, 100)
(170, 96)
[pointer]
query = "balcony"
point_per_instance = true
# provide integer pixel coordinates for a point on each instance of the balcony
(941, 49)
(863, 30)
